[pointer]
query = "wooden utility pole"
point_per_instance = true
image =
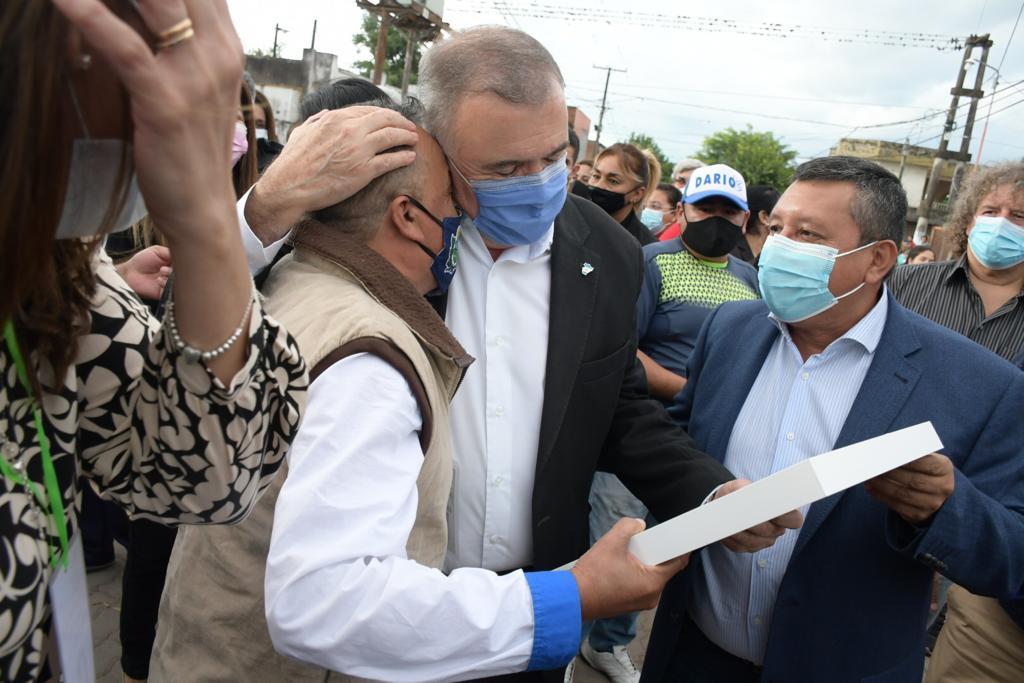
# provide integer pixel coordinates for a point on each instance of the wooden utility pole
(903, 156)
(277, 29)
(944, 154)
(381, 54)
(414, 19)
(604, 102)
(411, 38)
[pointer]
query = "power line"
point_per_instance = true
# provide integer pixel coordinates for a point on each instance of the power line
(939, 113)
(704, 24)
(890, 124)
(790, 98)
(987, 117)
(984, 131)
(1010, 40)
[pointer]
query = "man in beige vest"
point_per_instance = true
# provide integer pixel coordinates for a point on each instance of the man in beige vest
(360, 528)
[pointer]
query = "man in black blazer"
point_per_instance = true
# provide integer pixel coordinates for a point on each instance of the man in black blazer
(544, 297)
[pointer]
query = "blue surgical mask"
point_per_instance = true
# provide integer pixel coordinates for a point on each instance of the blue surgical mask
(446, 260)
(519, 210)
(654, 220)
(996, 242)
(794, 277)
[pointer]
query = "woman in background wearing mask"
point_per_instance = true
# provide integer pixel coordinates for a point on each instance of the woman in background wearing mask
(662, 209)
(261, 116)
(622, 180)
(182, 422)
(245, 170)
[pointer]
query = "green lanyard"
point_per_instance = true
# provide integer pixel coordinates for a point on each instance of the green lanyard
(55, 506)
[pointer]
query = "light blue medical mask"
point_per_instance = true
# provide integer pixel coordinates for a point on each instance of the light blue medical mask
(794, 277)
(653, 219)
(996, 242)
(519, 210)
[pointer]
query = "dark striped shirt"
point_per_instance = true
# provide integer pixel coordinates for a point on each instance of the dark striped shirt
(943, 292)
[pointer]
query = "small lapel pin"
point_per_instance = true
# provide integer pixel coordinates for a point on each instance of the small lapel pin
(586, 270)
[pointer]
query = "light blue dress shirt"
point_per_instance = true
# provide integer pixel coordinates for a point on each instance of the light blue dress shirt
(795, 410)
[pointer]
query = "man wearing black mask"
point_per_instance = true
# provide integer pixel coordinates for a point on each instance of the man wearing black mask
(687, 278)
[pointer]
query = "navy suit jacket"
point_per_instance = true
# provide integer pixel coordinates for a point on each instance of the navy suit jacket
(853, 603)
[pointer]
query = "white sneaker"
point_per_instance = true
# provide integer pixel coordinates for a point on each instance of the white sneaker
(570, 671)
(616, 665)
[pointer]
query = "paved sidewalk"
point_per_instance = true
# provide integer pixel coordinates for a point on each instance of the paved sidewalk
(105, 604)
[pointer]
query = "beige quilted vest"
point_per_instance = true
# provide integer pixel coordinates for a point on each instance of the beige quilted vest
(337, 297)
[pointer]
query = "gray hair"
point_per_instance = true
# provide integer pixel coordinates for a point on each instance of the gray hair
(361, 214)
(978, 186)
(880, 207)
(485, 59)
(686, 165)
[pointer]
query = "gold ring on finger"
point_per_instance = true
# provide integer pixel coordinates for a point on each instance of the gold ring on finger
(178, 33)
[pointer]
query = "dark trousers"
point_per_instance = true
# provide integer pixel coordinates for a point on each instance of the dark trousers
(698, 660)
(101, 523)
(149, 550)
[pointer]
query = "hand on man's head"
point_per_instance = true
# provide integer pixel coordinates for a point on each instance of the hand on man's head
(328, 158)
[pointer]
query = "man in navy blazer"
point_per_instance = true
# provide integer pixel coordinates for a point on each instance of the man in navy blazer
(828, 359)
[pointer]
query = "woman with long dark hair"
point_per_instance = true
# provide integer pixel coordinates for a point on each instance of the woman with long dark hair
(115, 109)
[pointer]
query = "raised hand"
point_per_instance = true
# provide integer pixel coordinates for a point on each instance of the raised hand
(329, 158)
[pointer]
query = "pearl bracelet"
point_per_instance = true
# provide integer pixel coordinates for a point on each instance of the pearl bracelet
(190, 353)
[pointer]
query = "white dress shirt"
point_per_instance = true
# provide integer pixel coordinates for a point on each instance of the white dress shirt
(498, 310)
(796, 409)
(340, 590)
(258, 255)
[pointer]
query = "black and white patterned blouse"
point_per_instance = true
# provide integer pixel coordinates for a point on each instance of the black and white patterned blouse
(164, 439)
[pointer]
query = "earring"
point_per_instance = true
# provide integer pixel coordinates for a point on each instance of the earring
(83, 62)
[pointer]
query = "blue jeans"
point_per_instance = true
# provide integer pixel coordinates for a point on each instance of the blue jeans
(610, 501)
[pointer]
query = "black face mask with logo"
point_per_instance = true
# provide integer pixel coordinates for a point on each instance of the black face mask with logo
(713, 236)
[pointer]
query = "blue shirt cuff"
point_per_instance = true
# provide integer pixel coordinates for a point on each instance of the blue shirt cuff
(557, 619)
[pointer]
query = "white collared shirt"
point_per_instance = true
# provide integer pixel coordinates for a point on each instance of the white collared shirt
(499, 311)
(341, 592)
(258, 255)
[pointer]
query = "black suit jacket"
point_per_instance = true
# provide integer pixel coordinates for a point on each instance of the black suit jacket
(635, 227)
(597, 414)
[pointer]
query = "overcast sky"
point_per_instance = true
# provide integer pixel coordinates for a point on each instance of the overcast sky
(678, 79)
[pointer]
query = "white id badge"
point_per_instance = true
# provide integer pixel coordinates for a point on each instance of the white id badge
(69, 599)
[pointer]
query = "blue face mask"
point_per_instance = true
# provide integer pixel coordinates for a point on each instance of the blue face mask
(446, 260)
(652, 219)
(794, 277)
(520, 209)
(996, 242)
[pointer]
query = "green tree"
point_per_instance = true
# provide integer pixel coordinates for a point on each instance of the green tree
(647, 142)
(762, 158)
(394, 61)
(260, 52)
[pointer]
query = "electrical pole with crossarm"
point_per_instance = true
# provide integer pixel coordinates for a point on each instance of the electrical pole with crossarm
(604, 101)
(962, 156)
